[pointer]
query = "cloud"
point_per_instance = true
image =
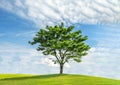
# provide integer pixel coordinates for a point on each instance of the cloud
(24, 56)
(100, 61)
(49, 62)
(26, 34)
(20, 59)
(108, 37)
(54, 11)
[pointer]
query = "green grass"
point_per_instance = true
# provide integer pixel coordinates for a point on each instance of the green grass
(4, 76)
(54, 79)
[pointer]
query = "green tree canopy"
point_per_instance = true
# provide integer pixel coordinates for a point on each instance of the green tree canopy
(61, 42)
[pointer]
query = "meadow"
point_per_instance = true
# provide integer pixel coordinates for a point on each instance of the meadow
(54, 79)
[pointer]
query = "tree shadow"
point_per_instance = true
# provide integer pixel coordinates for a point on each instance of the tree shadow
(32, 77)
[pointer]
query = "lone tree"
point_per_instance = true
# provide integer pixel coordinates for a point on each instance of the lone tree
(61, 42)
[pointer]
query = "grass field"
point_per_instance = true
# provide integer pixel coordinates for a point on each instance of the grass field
(54, 79)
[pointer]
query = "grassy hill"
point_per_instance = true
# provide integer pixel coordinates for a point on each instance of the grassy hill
(54, 79)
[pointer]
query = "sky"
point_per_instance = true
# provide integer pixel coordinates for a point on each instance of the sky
(98, 19)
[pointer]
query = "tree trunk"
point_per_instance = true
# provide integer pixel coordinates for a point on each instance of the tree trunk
(61, 68)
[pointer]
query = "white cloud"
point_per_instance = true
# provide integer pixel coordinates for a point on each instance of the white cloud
(50, 63)
(99, 62)
(26, 34)
(54, 11)
(19, 59)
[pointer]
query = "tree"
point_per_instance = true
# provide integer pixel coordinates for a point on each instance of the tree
(61, 42)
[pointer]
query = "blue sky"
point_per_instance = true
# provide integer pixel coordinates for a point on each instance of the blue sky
(20, 20)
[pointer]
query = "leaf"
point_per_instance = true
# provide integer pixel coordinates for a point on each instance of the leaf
(52, 39)
(77, 60)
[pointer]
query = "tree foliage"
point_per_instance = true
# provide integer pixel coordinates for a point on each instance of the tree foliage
(61, 42)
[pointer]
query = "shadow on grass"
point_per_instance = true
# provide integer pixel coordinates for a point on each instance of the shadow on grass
(32, 77)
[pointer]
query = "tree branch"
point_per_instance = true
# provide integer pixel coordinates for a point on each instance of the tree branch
(64, 60)
(56, 56)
